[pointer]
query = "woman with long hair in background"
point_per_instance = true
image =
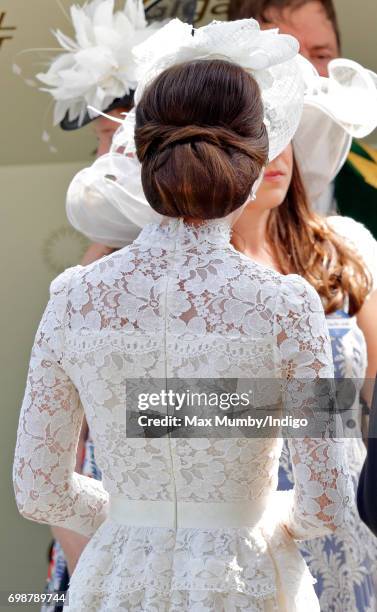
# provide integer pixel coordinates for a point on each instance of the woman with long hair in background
(338, 257)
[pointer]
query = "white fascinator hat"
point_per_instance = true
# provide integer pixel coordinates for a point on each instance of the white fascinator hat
(95, 66)
(271, 58)
(106, 201)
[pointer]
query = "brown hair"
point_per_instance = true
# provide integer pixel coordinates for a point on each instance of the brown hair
(201, 139)
(315, 251)
(244, 9)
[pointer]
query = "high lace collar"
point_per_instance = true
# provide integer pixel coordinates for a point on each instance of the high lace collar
(173, 234)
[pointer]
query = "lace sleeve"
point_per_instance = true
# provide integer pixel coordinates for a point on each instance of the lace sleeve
(47, 488)
(322, 490)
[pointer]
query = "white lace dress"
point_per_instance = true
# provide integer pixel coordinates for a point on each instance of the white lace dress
(179, 302)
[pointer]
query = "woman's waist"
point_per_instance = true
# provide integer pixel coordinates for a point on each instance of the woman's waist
(139, 555)
(178, 513)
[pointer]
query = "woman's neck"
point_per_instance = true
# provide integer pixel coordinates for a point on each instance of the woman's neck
(250, 236)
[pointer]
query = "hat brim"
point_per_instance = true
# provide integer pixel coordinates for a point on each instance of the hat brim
(68, 125)
(339, 108)
(321, 147)
(106, 202)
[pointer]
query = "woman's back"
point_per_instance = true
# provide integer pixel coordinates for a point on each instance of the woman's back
(179, 304)
(185, 514)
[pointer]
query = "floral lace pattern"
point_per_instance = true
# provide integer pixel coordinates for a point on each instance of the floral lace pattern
(180, 302)
(345, 563)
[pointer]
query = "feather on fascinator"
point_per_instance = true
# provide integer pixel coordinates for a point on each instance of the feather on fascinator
(97, 66)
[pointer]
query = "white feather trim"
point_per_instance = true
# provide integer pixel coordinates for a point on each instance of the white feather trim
(97, 65)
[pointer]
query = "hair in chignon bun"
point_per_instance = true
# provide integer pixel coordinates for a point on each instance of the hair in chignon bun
(201, 139)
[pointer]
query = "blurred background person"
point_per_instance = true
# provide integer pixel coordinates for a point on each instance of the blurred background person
(314, 23)
(367, 491)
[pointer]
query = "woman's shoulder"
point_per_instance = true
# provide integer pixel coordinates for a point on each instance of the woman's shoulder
(291, 292)
(348, 227)
(93, 271)
(60, 284)
(359, 238)
(358, 234)
(299, 294)
(289, 287)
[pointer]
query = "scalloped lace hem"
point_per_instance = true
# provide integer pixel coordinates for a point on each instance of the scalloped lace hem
(188, 565)
(175, 600)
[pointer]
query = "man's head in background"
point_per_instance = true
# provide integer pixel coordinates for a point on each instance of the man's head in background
(312, 22)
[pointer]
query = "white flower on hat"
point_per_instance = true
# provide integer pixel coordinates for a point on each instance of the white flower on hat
(97, 65)
(242, 42)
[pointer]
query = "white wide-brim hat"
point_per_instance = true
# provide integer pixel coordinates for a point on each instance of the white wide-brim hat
(106, 202)
(337, 109)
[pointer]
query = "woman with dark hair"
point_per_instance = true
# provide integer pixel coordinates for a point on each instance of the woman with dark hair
(338, 257)
(182, 523)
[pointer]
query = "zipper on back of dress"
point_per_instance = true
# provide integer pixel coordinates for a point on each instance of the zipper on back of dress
(170, 264)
